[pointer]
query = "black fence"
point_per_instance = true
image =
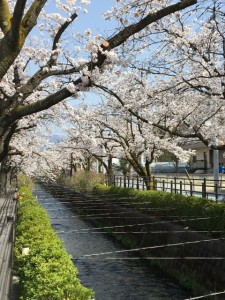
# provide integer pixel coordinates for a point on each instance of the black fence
(205, 187)
(8, 207)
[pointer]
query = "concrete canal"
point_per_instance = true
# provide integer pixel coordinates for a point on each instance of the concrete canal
(117, 276)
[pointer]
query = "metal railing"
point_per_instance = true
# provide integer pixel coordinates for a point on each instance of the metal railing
(205, 187)
(8, 208)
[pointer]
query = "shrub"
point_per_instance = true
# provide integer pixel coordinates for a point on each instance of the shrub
(83, 180)
(24, 180)
(47, 272)
(206, 214)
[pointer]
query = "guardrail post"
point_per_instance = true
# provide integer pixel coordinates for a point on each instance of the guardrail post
(216, 191)
(175, 185)
(155, 184)
(191, 189)
(163, 185)
(137, 182)
(181, 190)
(204, 188)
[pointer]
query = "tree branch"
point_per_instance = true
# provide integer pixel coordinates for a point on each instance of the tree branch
(17, 18)
(174, 132)
(123, 35)
(6, 141)
(5, 16)
(28, 23)
(30, 19)
(58, 36)
(13, 41)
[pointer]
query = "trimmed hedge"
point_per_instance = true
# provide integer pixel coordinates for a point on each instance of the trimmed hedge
(47, 272)
(206, 214)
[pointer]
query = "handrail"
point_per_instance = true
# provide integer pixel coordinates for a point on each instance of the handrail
(5, 209)
(187, 185)
(7, 237)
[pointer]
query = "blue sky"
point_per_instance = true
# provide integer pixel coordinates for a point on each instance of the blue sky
(98, 25)
(93, 19)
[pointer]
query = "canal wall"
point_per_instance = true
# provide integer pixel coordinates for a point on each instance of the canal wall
(192, 258)
(114, 276)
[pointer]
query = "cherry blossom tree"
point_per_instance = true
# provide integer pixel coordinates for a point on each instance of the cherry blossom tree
(110, 131)
(38, 69)
(36, 155)
(180, 91)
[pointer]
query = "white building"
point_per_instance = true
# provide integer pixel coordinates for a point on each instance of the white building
(202, 161)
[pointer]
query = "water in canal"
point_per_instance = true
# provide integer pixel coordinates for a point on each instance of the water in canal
(109, 277)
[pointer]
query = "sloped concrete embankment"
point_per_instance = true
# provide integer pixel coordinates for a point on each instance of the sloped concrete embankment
(194, 259)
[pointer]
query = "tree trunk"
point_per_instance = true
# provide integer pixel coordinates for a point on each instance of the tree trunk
(147, 178)
(109, 171)
(5, 179)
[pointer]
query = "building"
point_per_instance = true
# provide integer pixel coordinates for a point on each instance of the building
(202, 161)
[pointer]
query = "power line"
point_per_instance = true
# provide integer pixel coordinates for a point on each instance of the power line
(205, 296)
(143, 232)
(151, 223)
(154, 258)
(152, 247)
